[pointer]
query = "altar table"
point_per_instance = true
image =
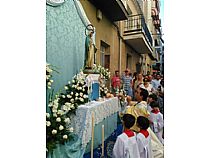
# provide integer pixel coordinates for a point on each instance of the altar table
(105, 112)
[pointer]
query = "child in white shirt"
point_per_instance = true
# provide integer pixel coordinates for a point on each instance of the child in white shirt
(126, 144)
(144, 138)
(156, 120)
(152, 97)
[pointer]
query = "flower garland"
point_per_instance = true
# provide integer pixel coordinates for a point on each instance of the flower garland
(49, 71)
(103, 72)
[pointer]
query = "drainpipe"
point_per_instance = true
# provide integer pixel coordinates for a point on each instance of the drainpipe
(120, 51)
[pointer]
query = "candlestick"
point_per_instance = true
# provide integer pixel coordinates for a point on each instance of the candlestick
(102, 133)
(92, 142)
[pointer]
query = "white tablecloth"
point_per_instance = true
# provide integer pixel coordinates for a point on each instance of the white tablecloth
(83, 118)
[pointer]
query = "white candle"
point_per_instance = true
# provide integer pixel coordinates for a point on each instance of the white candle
(92, 142)
(102, 133)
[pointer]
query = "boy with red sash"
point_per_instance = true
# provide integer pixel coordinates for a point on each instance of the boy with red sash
(156, 119)
(144, 138)
(126, 144)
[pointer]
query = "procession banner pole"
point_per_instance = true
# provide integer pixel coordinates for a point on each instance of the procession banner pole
(92, 142)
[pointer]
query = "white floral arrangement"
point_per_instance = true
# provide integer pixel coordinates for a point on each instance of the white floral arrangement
(103, 90)
(58, 130)
(61, 108)
(75, 94)
(104, 73)
(49, 71)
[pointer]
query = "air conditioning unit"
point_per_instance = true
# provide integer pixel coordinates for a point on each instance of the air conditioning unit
(99, 14)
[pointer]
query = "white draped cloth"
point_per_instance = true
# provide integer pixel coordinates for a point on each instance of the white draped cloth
(100, 110)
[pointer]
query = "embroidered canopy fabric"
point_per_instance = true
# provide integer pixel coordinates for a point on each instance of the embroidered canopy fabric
(100, 110)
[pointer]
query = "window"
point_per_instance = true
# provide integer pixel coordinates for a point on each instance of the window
(105, 55)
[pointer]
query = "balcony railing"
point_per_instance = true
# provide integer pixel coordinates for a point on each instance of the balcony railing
(137, 23)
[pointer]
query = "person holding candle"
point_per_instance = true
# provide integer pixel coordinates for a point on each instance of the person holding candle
(126, 144)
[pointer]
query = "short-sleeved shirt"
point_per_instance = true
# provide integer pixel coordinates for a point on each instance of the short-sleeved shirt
(127, 82)
(116, 82)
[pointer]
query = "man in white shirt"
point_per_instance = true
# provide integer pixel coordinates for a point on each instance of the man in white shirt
(156, 82)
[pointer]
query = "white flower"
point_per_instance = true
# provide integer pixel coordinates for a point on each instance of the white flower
(73, 81)
(65, 108)
(71, 129)
(60, 112)
(55, 105)
(72, 106)
(85, 96)
(54, 110)
(65, 136)
(66, 87)
(58, 119)
(54, 115)
(69, 82)
(68, 96)
(81, 99)
(54, 131)
(76, 98)
(76, 94)
(67, 120)
(81, 94)
(72, 100)
(63, 96)
(47, 115)
(51, 81)
(67, 103)
(48, 123)
(61, 127)
(83, 89)
(72, 93)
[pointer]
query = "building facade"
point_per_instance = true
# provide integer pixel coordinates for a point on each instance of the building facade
(127, 33)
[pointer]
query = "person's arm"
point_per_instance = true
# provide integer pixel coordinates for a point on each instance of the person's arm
(131, 83)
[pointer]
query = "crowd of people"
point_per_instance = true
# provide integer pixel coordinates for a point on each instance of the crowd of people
(142, 116)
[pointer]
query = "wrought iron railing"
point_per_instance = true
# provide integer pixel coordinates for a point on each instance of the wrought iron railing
(137, 23)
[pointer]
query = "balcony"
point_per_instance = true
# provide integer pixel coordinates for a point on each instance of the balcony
(137, 35)
(113, 9)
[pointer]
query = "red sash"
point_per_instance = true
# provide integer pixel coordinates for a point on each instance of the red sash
(144, 132)
(129, 133)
